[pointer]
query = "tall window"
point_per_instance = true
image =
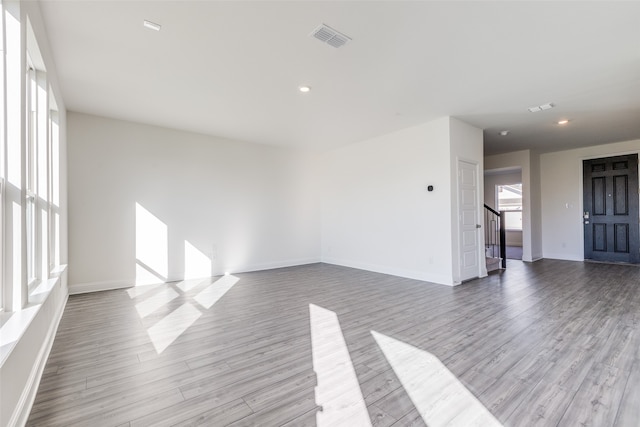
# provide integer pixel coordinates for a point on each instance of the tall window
(29, 164)
(509, 199)
(39, 177)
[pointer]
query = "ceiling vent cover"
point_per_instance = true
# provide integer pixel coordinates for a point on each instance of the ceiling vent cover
(328, 35)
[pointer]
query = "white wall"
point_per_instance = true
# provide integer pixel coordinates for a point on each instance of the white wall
(561, 179)
(246, 206)
(28, 332)
(376, 211)
(528, 163)
(241, 206)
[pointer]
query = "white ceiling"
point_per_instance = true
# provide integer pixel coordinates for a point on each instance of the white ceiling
(232, 69)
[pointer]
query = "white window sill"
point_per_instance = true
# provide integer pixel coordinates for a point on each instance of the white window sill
(13, 324)
(57, 271)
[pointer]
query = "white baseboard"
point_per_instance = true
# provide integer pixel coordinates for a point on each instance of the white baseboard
(23, 408)
(564, 257)
(273, 265)
(409, 274)
(83, 288)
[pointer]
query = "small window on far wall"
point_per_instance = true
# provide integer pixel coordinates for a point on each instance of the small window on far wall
(509, 198)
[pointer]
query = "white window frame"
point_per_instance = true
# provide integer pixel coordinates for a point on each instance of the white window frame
(31, 164)
(2, 240)
(42, 177)
(53, 142)
(3, 138)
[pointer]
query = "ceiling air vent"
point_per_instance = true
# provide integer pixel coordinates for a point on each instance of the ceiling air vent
(328, 35)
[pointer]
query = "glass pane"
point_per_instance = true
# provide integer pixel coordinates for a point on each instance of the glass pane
(510, 197)
(31, 238)
(513, 220)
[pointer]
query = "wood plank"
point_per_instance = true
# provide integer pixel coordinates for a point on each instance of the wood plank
(629, 410)
(597, 400)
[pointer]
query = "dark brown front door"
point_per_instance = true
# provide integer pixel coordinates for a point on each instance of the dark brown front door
(611, 209)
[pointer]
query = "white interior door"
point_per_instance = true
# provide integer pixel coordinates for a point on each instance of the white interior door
(469, 229)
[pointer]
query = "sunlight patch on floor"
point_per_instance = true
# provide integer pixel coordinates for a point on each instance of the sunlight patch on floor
(156, 301)
(338, 391)
(137, 291)
(212, 293)
(440, 398)
(188, 285)
(167, 330)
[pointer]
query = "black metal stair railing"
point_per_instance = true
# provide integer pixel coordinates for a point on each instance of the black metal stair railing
(495, 234)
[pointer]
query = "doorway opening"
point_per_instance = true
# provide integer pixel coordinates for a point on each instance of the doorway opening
(509, 199)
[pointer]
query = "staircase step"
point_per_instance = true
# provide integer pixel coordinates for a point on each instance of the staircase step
(493, 264)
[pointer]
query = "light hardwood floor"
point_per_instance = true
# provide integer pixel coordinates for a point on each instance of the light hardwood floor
(549, 343)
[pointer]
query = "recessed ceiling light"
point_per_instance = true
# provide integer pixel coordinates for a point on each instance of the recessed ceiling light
(304, 89)
(151, 25)
(504, 132)
(563, 122)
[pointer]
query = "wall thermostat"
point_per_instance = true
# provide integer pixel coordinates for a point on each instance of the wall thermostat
(430, 188)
